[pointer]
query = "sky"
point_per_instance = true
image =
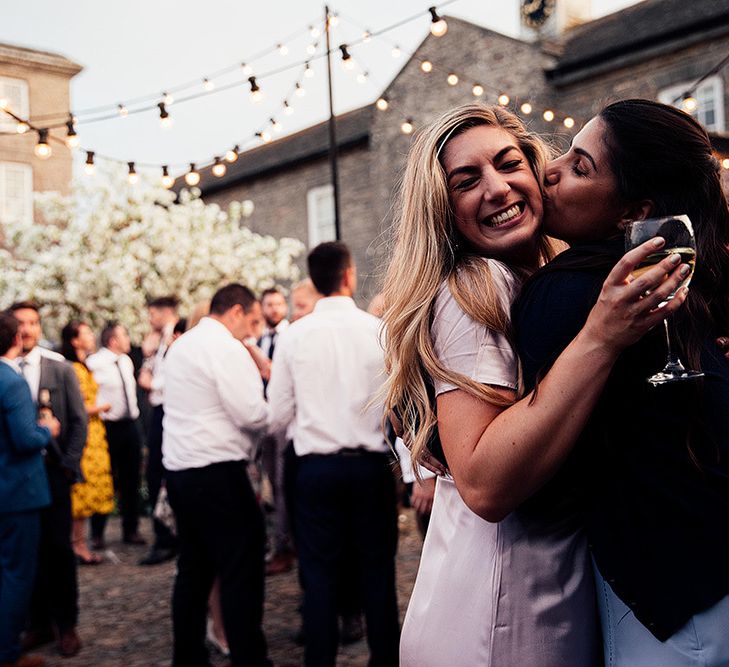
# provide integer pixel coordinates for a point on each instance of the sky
(137, 48)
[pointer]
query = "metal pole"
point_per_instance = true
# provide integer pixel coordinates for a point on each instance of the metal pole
(332, 132)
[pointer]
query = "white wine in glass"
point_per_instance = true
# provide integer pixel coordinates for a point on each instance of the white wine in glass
(679, 236)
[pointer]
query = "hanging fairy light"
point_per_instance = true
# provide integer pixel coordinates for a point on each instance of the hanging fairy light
(452, 79)
(288, 109)
(299, 90)
(477, 90)
(276, 126)
(382, 103)
(283, 50)
(504, 99)
(132, 175)
(168, 99)
(4, 103)
(314, 31)
(43, 149)
(231, 155)
(347, 61)
(167, 180)
(22, 127)
(311, 48)
(407, 126)
(689, 103)
(247, 69)
(308, 71)
(264, 136)
(725, 163)
(72, 140)
(569, 122)
(426, 66)
(165, 120)
(256, 94)
(396, 53)
(89, 166)
(192, 177)
(366, 36)
(122, 110)
(219, 168)
(208, 84)
(333, 20)
(526, 108)
(548, 115)
(362, 77)
(438, 25)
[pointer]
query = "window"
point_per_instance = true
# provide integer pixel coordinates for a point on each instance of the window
(16, 192)
(710, 98)
(320, 212)
(15, 94)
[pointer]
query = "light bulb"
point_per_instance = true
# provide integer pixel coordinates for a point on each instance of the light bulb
(89, 167)
(689, 103)
(283, 50)
(311, 49)
(3, 102)
(725, 163)
(42, 149)
(362, 77)
(265, 136)
(407, 126)
(167, 180)
(123, 111)
(219, 168)
(72, 140)
(426, 66)
(548, 116)
(288, 109)
(165, 120)
(208, 85)
(366, 36)
(503, 100)
(333, 20)
(395, 52)
(526, 108)
(477, 90)
(132, 176)
(231, 155)
(308, 71)
(569, 122)
(314, 31)
(22, 127)
(256, 94)
(168, 99)
(438, 25)
(247, 69)
(382, 104)
(276, 126)
(299, 90)
(192, 177)
(452, 79)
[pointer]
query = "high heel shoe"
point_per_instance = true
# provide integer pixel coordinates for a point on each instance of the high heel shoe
(220, 645)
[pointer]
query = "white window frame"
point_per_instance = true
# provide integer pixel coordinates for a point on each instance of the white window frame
(7, 123)
(712, 87)
(314, 214)
(26, 213)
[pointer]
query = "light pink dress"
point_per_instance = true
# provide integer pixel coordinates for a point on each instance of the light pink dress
(517, 593)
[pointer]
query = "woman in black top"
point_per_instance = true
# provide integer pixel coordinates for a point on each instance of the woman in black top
(652, 466)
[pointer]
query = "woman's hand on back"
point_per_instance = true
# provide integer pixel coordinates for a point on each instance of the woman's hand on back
(628, 307)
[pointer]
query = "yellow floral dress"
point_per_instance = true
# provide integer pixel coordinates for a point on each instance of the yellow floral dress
(96, 494)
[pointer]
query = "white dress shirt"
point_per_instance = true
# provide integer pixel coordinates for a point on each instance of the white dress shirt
(108, 369)
(29, 365)
(271, 335)
(327, 369)
(157, 390)
(214, 405)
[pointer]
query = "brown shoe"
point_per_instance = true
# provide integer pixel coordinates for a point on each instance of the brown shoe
(26, 661)
(34, 638)
(68, 643)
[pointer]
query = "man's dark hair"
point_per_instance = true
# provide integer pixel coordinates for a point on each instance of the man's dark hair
(231, 295)
(327, 264)
(270, 290)
(108, 332)
(180, 326)
(23, 305)
(8, 331)
(169, 301)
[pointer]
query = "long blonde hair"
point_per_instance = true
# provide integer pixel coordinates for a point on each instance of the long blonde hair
(426, 253)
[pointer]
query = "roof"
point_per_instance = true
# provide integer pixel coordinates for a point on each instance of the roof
(638, 28)
(23, 56)
(353, 128)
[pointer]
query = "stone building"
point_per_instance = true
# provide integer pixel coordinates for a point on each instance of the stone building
(655, 49)
(32, 85)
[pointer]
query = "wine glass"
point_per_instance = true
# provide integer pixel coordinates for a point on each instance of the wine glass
(679, 236)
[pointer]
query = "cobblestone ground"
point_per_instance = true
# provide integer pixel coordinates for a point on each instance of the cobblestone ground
(125, 609)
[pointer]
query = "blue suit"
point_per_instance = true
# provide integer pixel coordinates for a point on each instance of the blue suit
(23, 492)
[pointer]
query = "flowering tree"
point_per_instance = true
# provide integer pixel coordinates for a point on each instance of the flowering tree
(100, 253)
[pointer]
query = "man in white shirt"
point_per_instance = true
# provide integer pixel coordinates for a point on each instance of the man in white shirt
(326, 375)
(214, 411)
(114, 373)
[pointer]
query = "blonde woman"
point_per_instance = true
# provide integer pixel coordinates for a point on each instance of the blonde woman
(495, 587)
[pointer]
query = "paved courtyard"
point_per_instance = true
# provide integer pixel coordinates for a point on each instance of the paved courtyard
(125, 609)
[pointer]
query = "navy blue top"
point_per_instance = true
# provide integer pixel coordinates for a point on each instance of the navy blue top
(651, 469)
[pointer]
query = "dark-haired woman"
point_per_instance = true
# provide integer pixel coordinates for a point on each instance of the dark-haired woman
(653, 462)
(95, 495)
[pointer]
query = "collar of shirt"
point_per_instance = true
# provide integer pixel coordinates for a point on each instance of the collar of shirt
(329, 303)
(212, 325)
(32, 358)
(12, 363)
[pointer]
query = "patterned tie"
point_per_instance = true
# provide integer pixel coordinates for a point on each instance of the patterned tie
(23, 365)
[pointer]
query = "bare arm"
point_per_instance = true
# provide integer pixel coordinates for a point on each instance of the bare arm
(498, 458)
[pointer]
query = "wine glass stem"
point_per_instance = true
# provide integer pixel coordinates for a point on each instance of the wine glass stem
(672, 360)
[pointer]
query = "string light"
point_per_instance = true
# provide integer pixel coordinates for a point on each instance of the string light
(366, 36)
(689, 103)
(725, 163)
(288, 109)
(165, 120)
(42, 149)
(426, 66)
(219, 168)
(569, 122)
(168, 99)
(308, 71)
(314, 31)
(347, 61)
(283, 50)
(396, 52)
(276, 126)
(407, 126)
(167, 180)
(123, 111)
(299, 90)
(382, 103)
(89, 167)
(438, 25)
(526, 108)
(477, 90)
(256, 94)
(503, 99)
(192, 177)
(247, 69)
(311, 48)
(362, 77)
(548, 115)
(132, 176)
(208, 84)
(264, 136)
(72, 140)
(3, 103)
(231, 155)
(333, 20)
(452, 79)
(22, 127)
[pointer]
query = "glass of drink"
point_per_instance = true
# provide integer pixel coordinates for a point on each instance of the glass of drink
(679, 236)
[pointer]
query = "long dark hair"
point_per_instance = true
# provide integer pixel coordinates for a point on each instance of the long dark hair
(68, 333)
(660, 153)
